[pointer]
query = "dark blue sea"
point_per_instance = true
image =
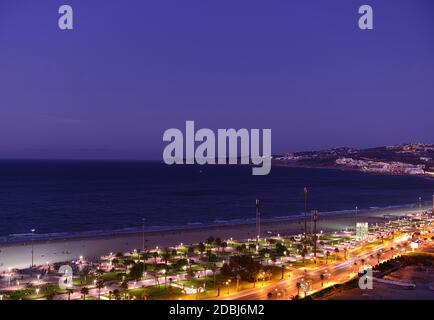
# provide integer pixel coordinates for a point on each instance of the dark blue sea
(65, 197)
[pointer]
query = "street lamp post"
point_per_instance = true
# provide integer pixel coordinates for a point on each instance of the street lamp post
(143, 234)
(305, 217)
(258, 223)
(315, 218)
(33, 232)
(357, 211)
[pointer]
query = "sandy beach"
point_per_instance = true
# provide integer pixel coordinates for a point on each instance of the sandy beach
(18, 255)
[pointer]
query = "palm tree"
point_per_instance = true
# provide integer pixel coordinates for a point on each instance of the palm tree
(223, 245)
(327, 255)
(210, 240)
(116, 294)
(303, 254)
(190, 253)
(378, 257)
(155, 255)
(252, 247)
(241, 248)
(165, 276)
(209, 255)
(99, 286)
(337, 253)
(99, 273)
(201, 247)
(298, 286)
(70, 291)
(145, 256)
(124, 287)
(166, 256)
(84, 291)
(218, 243)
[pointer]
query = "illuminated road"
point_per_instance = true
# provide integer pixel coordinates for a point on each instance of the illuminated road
(340, 272)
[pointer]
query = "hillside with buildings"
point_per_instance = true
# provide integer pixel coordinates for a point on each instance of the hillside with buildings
(403, 159)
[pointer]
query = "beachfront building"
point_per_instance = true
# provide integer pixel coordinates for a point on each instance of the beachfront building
(362, 230)
(381, 166)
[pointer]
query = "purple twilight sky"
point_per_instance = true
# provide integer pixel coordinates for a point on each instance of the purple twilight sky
(131, 69)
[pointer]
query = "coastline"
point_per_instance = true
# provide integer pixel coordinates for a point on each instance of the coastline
(350, 169)
(18, 254)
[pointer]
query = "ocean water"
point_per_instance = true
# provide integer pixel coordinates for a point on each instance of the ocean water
(61, 197)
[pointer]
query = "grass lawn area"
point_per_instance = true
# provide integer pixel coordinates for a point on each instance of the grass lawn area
(156, 293)
(83, 280)
(110, 276)
(196, 282)
(30, 293)
(197, 267)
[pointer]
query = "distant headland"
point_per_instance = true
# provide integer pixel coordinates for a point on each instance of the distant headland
(403, 159)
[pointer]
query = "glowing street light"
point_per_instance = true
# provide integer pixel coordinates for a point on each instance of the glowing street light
(414, 246)
(227, 284)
